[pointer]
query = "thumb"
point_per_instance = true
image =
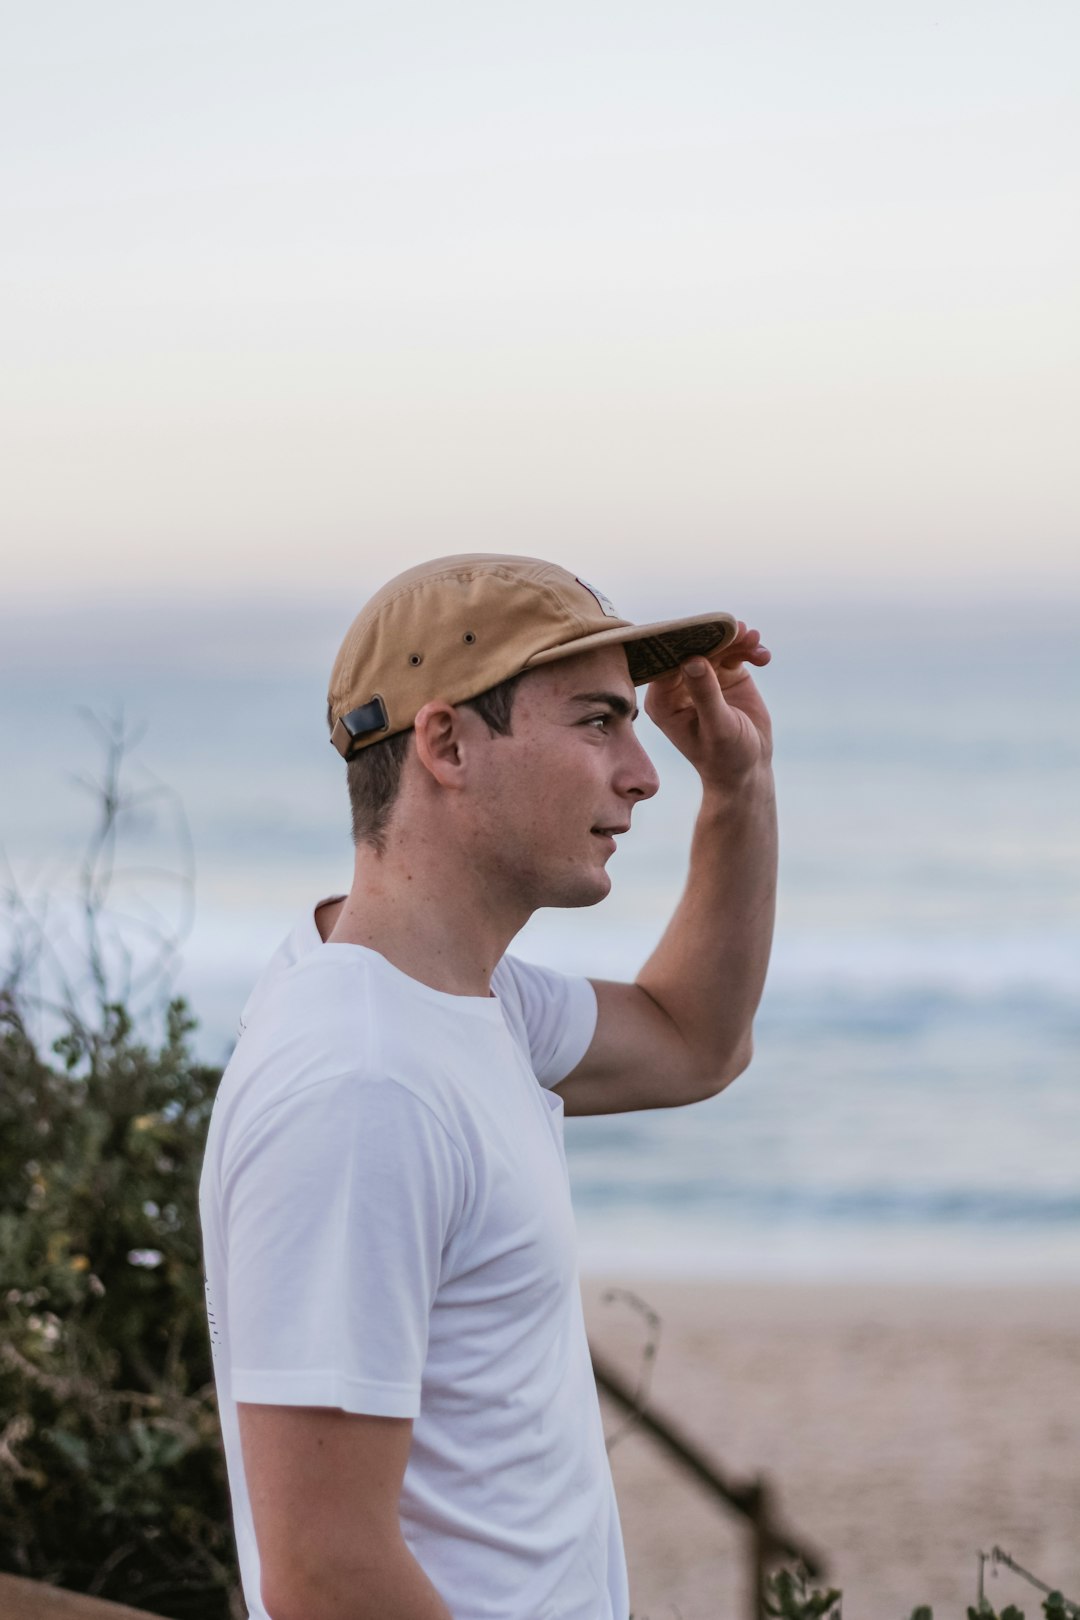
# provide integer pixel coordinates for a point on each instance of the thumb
(703, 685)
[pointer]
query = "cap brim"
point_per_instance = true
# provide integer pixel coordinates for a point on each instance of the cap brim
(652, 649)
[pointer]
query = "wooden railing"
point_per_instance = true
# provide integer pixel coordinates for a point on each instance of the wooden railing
(34, 1600)
(753, 1500)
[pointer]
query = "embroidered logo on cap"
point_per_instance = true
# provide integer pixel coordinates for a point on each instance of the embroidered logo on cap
(605, 606)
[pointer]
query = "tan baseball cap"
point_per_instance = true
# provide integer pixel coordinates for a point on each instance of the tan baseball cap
(456, 626)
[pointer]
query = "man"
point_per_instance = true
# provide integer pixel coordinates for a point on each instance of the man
(410, 1419)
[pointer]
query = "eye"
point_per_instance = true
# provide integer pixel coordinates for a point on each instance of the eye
(600, 721)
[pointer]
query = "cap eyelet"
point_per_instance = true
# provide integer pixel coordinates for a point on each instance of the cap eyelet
(416, 658)
(468, 638)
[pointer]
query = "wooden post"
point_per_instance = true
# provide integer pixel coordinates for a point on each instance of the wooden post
(761, 1546)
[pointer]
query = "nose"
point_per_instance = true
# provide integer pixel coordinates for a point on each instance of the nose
(637, 778)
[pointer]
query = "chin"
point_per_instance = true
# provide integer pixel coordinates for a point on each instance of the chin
(584, 890)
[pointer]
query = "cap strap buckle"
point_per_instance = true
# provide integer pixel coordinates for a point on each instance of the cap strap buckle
(358, 723)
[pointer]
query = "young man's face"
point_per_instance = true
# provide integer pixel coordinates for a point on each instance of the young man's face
(552, 795)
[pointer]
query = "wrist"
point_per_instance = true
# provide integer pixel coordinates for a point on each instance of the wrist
(754, 789)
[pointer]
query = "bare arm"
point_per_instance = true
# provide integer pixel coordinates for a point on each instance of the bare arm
(684, 1029)
(324, 1487)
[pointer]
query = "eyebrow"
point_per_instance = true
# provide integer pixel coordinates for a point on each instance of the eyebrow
(614, 700)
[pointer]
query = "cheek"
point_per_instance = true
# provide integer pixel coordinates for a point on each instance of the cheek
(513, 795)
(565, 814)
(528, 792)
(580, 782)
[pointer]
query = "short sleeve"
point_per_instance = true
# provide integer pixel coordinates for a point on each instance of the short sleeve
(339, 1204)
(553, 1014)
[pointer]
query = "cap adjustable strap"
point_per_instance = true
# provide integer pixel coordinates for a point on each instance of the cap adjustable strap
(358, 723)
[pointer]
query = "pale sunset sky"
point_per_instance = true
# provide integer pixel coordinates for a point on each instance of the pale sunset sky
(695, 291)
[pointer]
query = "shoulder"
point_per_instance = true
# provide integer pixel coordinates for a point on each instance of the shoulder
(303, 937)
(309, 1037)
(336, 1024)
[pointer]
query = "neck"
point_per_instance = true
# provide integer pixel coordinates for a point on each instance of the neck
(429, 913)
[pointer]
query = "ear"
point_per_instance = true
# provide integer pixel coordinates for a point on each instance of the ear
(440, 729)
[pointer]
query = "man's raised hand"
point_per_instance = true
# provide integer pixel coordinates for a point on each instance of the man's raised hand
(712, 711)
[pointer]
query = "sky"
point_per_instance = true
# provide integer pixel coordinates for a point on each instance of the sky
(770, 308)
(772, 299)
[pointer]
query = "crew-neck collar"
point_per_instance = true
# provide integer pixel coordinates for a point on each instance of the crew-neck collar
(484, 1006)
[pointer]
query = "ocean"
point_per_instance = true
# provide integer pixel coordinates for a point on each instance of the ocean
(913, 1108)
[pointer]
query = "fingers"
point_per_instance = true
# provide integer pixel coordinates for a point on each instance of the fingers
(746, 648)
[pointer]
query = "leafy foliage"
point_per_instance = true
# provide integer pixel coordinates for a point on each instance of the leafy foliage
(1054, 1607)
(112, 1477)
(789, 1595)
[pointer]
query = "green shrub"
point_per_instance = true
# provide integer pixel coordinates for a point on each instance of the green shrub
(790, 1596)
(112, 1478)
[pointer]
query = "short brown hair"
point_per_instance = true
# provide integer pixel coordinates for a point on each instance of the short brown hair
(374, 774)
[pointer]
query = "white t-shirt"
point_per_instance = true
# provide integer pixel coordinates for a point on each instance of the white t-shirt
(387, 1229)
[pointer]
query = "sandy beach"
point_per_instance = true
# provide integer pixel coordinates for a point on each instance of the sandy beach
(903, 1428)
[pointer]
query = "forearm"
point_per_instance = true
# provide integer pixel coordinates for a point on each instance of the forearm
(389, 1586)
(708, 971)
